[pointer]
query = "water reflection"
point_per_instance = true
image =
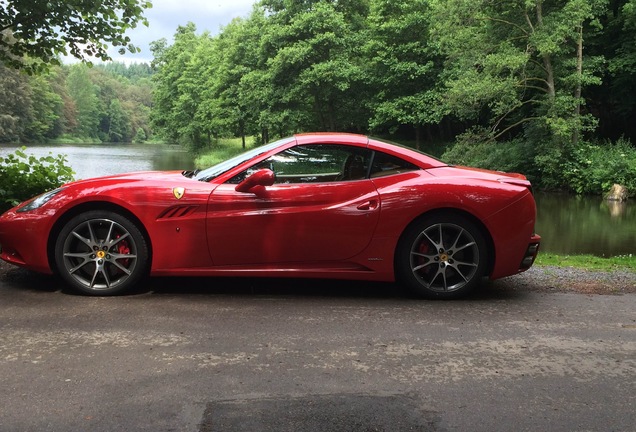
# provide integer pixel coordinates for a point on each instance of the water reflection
(570, 224)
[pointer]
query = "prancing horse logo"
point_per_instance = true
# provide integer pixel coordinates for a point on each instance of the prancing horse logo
(178, 192)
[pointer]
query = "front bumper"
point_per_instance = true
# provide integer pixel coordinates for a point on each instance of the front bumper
(23, 239)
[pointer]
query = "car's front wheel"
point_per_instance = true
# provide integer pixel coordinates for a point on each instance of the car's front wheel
(441, 256)
(101, 253)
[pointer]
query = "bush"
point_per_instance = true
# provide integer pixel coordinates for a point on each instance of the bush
(140, 136)
(585, 169)
(509, 156)
(24, 176)
(594, 168)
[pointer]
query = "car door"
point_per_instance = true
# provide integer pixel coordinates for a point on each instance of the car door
(321, 208)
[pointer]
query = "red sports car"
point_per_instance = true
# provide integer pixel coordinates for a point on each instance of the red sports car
(313, 205)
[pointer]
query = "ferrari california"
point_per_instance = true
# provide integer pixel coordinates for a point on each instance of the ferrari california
(321, 205)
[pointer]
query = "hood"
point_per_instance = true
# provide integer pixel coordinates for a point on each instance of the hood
(169, 176)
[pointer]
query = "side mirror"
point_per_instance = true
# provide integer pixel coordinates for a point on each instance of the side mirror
(256, 182)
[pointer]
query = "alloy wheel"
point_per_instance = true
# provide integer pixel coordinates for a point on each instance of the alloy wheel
(99, 254)
(444, 257)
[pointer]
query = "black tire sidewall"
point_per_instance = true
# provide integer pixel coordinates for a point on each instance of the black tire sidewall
(141, 266)
(403, 271)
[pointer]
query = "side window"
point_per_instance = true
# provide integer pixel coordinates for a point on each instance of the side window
(385, 165)
(314, 164)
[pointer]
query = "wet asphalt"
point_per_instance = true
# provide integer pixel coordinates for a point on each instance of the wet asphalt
(291, 355)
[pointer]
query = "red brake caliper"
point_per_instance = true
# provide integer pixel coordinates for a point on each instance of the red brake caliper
(424, 249)
(123, 249)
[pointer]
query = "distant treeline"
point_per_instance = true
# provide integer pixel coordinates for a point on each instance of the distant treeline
(109, 102)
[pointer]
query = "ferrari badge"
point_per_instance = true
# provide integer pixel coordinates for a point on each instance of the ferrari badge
(178, 192)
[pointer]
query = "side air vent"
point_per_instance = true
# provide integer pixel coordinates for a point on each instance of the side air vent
(178, 212)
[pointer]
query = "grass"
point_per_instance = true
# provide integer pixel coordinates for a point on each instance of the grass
(589, 262)
(68, 139)
(224, 150)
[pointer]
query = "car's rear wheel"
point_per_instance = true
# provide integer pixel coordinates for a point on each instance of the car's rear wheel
(101, 253)
(441, 256)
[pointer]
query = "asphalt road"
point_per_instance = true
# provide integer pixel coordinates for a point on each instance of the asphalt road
(260, 355)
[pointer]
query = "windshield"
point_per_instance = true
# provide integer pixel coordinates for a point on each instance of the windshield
(218, 169)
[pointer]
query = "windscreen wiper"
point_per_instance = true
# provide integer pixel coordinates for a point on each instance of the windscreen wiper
(190, 173)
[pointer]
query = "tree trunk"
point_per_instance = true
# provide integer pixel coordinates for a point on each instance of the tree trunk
(418, 136)
(578, 90)
(242, 128)
(547, 62)
(429, 133)
(331, 116)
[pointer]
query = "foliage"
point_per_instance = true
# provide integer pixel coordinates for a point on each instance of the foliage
(508, 79)
(313, 60)
(518, 62)
(510, 156)
(517, 85)
(594, 168)
(42, 30)
(84, 95)
(403, 66)
(104, 103)
(174, 106)
(24, 176)
(589, 169)
(288, 67)
(612, 101)
(15, 106)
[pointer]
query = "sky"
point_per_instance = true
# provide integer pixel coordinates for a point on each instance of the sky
(166, 15)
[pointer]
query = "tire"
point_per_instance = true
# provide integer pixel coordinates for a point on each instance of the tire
(101, 253)
(441, 256)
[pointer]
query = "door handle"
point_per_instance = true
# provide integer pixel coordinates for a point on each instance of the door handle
(368, 205)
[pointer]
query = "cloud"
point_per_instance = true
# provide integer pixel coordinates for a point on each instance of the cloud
(166, 15)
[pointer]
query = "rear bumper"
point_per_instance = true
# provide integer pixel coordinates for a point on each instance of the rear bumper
(531, 253)
(515, 241)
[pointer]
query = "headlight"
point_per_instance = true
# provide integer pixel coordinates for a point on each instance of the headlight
(39, 201)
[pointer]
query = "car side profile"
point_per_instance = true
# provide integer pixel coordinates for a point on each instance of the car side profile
(321, 205)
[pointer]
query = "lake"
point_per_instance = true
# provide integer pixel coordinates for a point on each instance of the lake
(94, 160)
(567, 224)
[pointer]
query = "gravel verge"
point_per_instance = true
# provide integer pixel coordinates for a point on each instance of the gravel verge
(538, 278)
(575, 280)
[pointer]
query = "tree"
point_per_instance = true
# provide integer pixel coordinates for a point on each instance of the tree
(517, 67)
(174, 109)
(230, 100)
(404, 69)
(315, 61)
(84, 94)
(44, 29)
(613, 101)
(46, 109)
(15, 106)
(118, 123)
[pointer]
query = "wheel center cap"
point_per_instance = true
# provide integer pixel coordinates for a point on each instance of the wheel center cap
(443, 257)
(101, 254)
